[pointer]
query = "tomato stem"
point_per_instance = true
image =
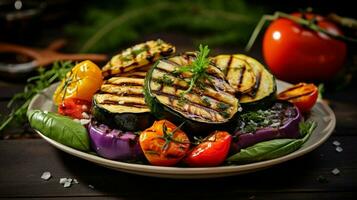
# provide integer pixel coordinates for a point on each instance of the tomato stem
(304, 22)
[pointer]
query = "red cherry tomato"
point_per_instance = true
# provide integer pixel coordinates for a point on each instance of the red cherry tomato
(211, 152)
(74, 108)
(303, 95)
(295, 53)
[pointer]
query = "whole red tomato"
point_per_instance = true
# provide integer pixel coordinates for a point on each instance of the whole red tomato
(295, 53)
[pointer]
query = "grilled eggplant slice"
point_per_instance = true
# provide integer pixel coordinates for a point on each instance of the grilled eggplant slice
(209, 104)
(238, 73)
(264, 91)
(137, 56)
(120, 104)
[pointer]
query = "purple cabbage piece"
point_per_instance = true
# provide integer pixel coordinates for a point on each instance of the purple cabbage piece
(284, 123)
(114, 144)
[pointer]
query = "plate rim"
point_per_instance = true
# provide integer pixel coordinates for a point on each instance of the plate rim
(188, 172)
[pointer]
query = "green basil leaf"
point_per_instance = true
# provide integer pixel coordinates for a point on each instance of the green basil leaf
(60, 128)
(273, 148)
(258, 151)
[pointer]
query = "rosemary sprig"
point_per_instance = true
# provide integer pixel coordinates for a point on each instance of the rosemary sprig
(168, 136)
(197, 68)
(19, 102)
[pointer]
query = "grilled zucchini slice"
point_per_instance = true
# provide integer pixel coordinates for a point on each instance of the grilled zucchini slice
(264, 90)
(137, 56)
(238, 73)
(120, 104)
(207, 106)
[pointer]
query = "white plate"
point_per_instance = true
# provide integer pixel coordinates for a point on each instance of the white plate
(321, 113)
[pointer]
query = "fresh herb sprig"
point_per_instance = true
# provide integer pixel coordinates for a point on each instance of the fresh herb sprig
(197, 68)
(20, 102)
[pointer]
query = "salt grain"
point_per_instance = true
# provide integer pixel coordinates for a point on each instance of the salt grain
(46, 176)
(67, 184)
(84, 121)
(85, 115)
(336, 143)
(63, 180)
(75, 181)
(335, 171)
(91, 186)
(339, 149)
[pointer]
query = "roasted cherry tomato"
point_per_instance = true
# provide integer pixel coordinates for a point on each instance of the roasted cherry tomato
(211, 152)
(81, 83)
(295, 53)
(164, 144)
(303, 95)
(75, 108)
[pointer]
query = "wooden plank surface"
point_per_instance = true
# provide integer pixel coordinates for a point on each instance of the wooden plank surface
(23, 162)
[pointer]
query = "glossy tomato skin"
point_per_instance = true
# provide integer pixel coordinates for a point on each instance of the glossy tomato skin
(211, 152)
(303, 95)
(74, 108)
(295, 53)
(153, 145)
(81, 82)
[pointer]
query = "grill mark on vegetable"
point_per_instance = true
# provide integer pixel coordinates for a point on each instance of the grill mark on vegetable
(124, 84)
(189, 109)
(195, 90)
(297, 96)
(137, 105)
(241, 76)
(122, 95)
(180, 87)
(209, 109)
(229, 63)
(256, 85)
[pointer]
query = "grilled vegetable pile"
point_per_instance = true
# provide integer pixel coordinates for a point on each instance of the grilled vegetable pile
(150, 105)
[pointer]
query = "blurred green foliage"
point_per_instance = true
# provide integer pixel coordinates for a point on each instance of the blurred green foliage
(109, 25)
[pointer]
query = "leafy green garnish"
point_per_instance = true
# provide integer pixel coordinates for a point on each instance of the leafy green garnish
(307, 127)
(222, 106)
(19, 102)
(165, 80)
(274, 148)
(139, 51)
(197, 68)
(206, 101)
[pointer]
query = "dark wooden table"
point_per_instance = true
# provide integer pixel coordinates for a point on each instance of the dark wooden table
(23, 161)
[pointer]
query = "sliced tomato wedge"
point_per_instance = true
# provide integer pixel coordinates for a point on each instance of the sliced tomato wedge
(303, 95)
(212, 151)
(75, 108)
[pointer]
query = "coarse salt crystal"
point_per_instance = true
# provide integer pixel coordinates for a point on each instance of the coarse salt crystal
(336, 143)
(339, 149)
(91, 186)
(46, 176)
(75, 181)
(85, 115)
(84, 121)
(67, 184)
(63, 180)
(335, 171)
(121, 102)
